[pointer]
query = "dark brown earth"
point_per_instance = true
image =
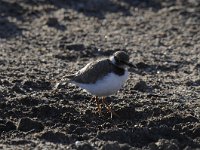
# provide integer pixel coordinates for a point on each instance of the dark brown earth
(41, 40)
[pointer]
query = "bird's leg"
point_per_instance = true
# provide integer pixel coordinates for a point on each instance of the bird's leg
(108, 107)
(98, 105)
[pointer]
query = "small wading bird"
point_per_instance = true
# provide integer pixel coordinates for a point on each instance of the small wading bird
(103, 77)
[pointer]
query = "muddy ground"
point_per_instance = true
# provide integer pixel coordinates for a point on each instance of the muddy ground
(41, 40)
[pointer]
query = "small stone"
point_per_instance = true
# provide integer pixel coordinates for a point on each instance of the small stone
(77, 143)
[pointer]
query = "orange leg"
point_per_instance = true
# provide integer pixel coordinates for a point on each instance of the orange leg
(98, 105)
(108, 107)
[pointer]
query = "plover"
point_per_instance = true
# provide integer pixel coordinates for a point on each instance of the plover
(103, 77)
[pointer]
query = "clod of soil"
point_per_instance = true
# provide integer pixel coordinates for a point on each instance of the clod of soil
(27, 124)
(142, 86)
(54, 137)
(8, 126)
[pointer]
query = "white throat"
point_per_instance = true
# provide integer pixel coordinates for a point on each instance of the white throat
(112, 59)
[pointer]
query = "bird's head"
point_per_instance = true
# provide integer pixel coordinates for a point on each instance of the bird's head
(121, 59)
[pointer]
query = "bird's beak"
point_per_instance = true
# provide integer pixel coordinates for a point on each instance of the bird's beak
(130, 65)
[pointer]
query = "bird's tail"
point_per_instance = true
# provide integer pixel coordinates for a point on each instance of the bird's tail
(65, 80)
(68, 77)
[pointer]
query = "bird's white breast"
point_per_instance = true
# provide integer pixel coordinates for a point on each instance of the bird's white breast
(108, 85)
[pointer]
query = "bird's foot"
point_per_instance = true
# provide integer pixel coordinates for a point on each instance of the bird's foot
(109, 108)
(98, 106)
(115, 114)
(112, 112)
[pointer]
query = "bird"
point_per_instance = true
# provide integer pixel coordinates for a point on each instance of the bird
(103, 77)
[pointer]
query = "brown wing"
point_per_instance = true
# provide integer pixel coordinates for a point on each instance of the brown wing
(93, 71)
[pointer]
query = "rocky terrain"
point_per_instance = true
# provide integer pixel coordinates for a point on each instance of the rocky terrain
(43, 40)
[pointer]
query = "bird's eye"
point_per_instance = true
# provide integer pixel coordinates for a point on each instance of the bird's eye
(117, 60)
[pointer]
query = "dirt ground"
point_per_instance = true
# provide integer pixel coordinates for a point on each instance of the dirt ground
(41, 40)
